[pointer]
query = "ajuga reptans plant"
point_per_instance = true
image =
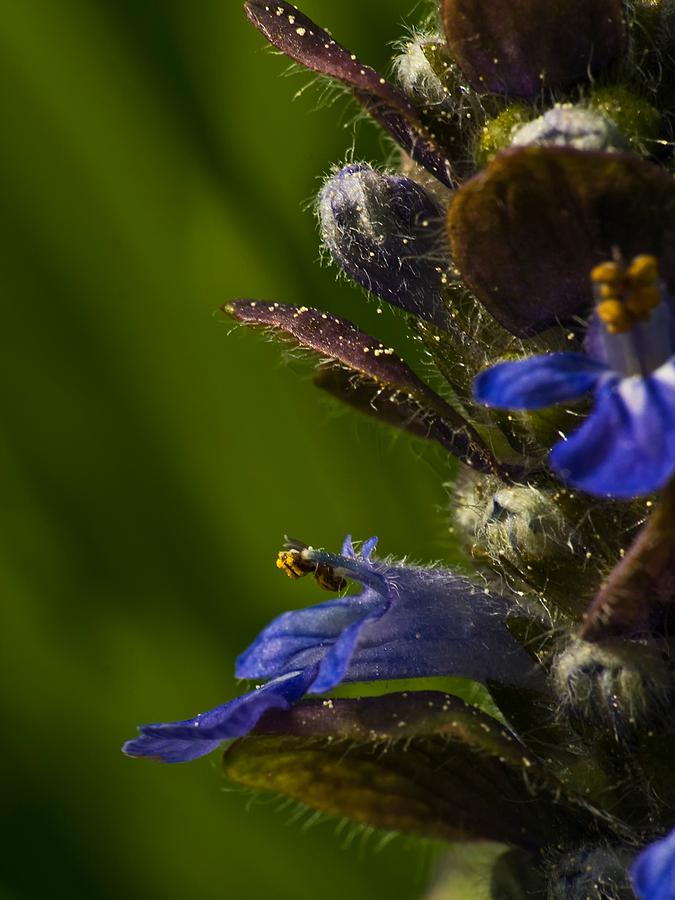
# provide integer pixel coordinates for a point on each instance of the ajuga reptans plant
(528, 232)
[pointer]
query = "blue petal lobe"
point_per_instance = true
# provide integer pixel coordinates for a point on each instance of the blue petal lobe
(539, 381)
(191, 738)
(348, 548)
(626, 446)
(304, 636)
(653, 872)
(334, 666)
(368, 547)
(440, 624)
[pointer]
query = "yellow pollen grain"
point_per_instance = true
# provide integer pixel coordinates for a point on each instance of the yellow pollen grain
(644, 270)
(615, 315)
(642, 301)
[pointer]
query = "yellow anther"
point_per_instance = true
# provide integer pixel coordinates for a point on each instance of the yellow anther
(615, 315)
(610, 273)
(643, 271)
(642, 301)
(626, 296)
(610, 291)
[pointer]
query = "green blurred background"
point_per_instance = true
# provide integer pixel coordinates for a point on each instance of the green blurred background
(153, 165)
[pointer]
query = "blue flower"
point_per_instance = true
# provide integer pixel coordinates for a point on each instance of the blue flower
(406, 622)
(653, 872)
(626, 445)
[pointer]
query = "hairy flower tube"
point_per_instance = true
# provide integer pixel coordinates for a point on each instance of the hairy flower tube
(626, 446)
(406, 622)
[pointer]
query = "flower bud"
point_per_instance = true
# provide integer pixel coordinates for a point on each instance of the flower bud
(571, 126)
(417, 76)
(386, 232)
(591, 874)
(521, 533)
(620, 686)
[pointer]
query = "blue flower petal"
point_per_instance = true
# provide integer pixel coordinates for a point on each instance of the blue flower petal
(191, 738)
(303, 637)
(334, 667)
(348, 547)
(368, 547)
(406, 622)
(626, 446)
(440, 624)
(653, 872)
(539, 381)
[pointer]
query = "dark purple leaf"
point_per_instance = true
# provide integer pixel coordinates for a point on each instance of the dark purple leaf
(339, 340)
(303, 41)
(522, 47)
(423, 762)
(527, 230)
(390, 407)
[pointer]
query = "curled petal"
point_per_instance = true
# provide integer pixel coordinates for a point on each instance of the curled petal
(301, 40)
(539, 381)
(626, 446)
(653, 872)
(192, 738)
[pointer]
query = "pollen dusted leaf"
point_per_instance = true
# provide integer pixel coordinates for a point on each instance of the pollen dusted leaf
(390, 407)
(338, 339)
(528, 259)
(423, 762)
(301, 40)
(522, 47)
